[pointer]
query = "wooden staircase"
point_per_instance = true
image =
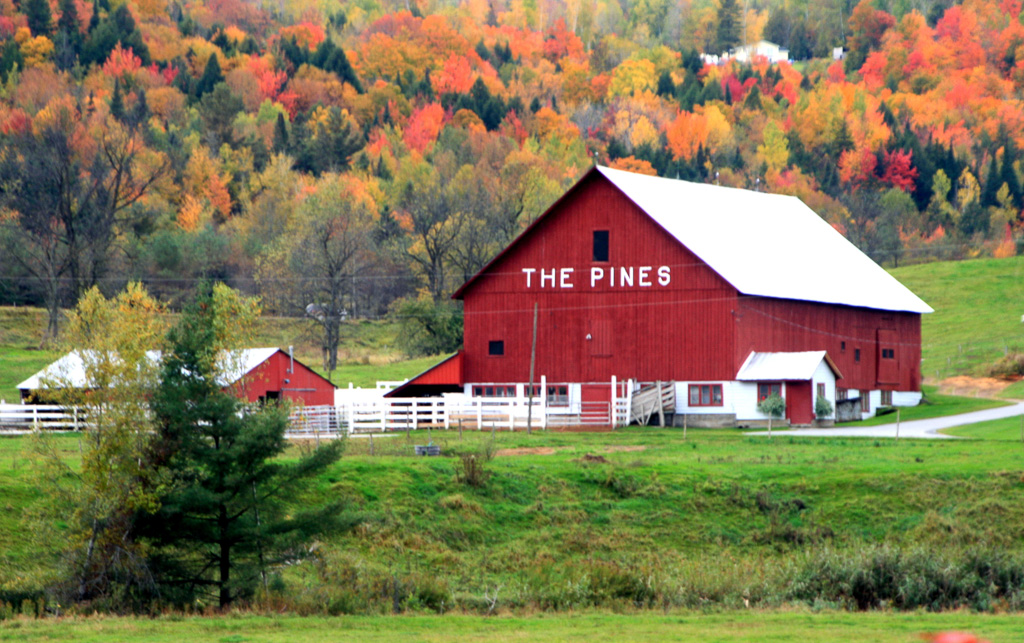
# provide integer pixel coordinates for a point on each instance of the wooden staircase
(657, 398)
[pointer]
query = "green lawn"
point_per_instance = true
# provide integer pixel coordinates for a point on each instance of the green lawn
(17, 365)
(748, 626)
(978, 306)
(640, 516)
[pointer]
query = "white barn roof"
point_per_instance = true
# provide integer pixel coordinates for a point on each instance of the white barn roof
(769, 245)
(796, 366)
(71, 369)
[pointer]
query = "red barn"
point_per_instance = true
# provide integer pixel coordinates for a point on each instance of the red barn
(730, 294)
(272, 374)
(255, 374)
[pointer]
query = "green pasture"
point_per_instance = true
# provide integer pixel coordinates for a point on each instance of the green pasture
(748, 626)
(569, 521)
(978, 309)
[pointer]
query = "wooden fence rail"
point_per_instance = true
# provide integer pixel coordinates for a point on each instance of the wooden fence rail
(38, 416)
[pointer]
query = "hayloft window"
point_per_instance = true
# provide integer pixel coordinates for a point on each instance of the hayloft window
(842, 347)
(888, 353)
(600, 245)
(496, 347)
(705, 395)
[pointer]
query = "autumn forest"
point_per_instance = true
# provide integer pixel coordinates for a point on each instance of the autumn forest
(362, 159)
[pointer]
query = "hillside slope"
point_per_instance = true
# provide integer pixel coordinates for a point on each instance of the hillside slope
(979, 307)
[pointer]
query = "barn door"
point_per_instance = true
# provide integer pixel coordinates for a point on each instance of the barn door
(799, 403)
(600, 338)
(888, 357)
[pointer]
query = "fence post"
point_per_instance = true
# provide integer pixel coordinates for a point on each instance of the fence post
(383, 419)
(415, 408)
(479, 413)
(544, 402)
(74, 411)
(447, 417)
(611, 416)
(512, 415)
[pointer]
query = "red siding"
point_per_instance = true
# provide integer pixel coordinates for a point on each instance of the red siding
(647, 333)
(785, 325)
(697, 328)
(304, 385)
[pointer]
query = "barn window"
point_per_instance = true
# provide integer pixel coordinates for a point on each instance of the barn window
(886, 398)
(856, 355)
(558, 395)
(841, 394)
(821, 389)
(888, 353)
(764, 389)
(842, 347)
(496, 347)
(705, 395)
(494, 391)
(600, 245)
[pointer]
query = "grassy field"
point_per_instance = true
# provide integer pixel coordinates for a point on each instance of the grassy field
(751, 626)
(978, 307)
(638, 517)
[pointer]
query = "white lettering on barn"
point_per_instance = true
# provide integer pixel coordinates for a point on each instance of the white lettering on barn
(611, 277)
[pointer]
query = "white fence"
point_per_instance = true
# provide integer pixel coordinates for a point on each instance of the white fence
(452, 412)
(37, 416)
(379, 415)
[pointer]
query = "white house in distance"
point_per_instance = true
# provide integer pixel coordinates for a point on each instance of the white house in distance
(769, 50)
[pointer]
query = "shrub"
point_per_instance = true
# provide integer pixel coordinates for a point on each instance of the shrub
(470, 470)
(1011, 365)
(822, 407)
(773, 405)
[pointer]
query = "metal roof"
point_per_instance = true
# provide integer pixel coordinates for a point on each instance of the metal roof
(799, 366)
(70, 368)
(763, 244)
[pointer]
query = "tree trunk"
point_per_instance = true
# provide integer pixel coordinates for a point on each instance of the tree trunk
(225, 558)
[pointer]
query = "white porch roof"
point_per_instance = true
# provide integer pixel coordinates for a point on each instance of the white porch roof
(771, 367)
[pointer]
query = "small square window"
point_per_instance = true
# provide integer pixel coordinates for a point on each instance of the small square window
(496, 347)
(600, 245)
(888, 353)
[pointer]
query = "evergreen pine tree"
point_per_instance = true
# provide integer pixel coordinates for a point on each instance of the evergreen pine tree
(211, 77)
(140, 112)
(117, 102)
(993, 182)
(39, 17)
(666, 87)
(224, 517)
(727, 35)
(280, 134)
(68, 26)
(1008, 174)
(94, 19)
